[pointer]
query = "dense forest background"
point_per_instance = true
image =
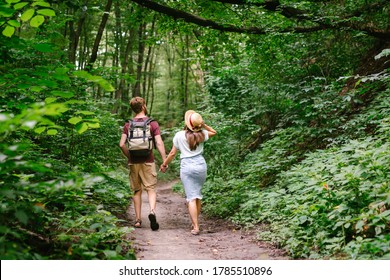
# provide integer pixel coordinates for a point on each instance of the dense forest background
(297, 90)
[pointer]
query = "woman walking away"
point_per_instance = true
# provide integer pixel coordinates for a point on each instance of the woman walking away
(193, 167)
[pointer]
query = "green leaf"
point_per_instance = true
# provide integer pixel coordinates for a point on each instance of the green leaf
(39, 130)
(6, 12)
(27, 15)
(21, 216)
(93, 125)
(81, 127)
(82, 74)
(37, 21)
(95, 225)
(55, 109)
(52, 132)
(64, 94)
(14, 23)
(102, 82)
(47, 12)
(74, 101)
(106, 85)
(20, 5)
(12, 1)
(46, 48)
(119, 195)
(110, 254)
(385, 214)
(49, 100)
(61, 74)
(61, 70)
(40, 3)
(95, 79)
(378, 230)
(8, 31)
(47, 83)
(75, 120)
(61, 77)
(302, 219)
(85, 113)
(23, 86)
(36, 88)
(359, 226)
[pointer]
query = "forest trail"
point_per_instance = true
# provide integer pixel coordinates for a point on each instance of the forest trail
(218, 240)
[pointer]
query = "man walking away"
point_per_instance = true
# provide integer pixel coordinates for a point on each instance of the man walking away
(143, 174)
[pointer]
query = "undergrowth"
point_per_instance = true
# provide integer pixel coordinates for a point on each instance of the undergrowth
(328, 202)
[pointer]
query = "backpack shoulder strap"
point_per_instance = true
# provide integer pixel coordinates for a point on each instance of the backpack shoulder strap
(149, 120)
(131, 129)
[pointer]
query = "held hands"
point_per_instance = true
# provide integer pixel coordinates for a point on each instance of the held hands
(163, 168)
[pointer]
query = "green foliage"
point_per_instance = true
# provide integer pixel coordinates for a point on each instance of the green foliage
(16, 12)
(306, 145)
(179, 188)
(335, 197)
(49, 212)
(58, 198)
(330, 203)
(51, 208)
(95, 230)
(302, 146)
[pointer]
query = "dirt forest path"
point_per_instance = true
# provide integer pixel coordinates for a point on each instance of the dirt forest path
(218, 240)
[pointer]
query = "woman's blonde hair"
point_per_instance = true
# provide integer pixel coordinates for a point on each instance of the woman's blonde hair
(194, 138)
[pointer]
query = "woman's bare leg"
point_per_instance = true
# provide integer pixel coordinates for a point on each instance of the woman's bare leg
(193, 210)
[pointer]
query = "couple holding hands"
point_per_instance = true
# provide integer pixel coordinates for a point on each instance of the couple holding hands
(193, 168)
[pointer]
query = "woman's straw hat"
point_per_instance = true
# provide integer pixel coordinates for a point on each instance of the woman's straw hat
(193, 120)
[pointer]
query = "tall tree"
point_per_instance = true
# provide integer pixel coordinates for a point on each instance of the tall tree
(75, 32)
(99, 35)
(148, 63)
(140, 58)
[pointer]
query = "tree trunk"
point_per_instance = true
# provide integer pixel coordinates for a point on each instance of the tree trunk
(187, 72)
(151, 85)
(118, 43)
(106, 51)
(99, 35)
(151, 80)
(184, 73)
(141, 52)
(170, 54)
(75, 34)
(120, 92)
(148, 63)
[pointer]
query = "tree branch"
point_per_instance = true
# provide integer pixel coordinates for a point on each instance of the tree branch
(291, 12)
(271, 5)
(178, 14)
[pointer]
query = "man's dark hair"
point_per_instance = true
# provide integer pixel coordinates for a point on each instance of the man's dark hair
(137, 103)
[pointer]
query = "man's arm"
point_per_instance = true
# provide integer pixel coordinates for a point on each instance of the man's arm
(122, 145)
(160, 146)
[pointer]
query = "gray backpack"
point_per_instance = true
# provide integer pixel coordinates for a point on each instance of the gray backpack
(140, 139)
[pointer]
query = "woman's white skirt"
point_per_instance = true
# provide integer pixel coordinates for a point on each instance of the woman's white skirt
(193, 173)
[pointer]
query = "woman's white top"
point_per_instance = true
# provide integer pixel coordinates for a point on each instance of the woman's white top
(180, 142)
